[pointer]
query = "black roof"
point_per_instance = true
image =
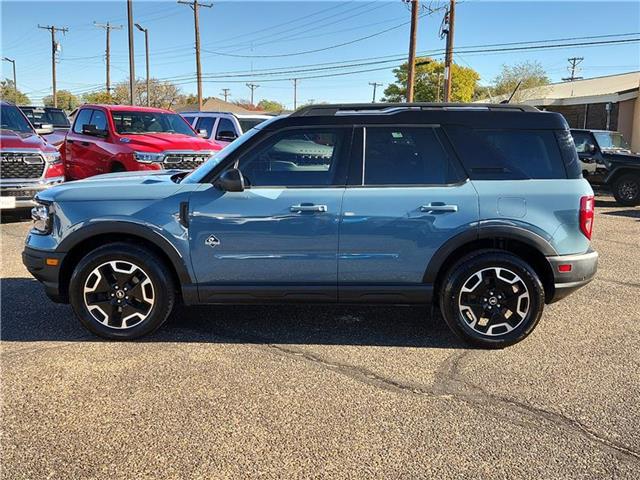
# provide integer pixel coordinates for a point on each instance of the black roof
(392, 108)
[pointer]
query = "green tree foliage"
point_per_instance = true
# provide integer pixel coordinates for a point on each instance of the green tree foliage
(270, 106)
(162, 94)
(531, 74)
(66, 100)
(429, 84)
(102, 97)
(8, 92)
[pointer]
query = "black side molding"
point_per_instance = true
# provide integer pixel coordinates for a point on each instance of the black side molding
(184, 214)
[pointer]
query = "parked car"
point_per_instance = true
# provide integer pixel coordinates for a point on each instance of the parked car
(51, 122)
(617, 167)
(28, 164)
(223, 127)
(117, 138)
(481, 210)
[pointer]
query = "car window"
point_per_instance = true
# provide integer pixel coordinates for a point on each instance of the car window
(189, 119)
(82, 118)
(247, 124)
(12, 119)
(206, 123)
(99, 119)
(133, 122)
(225, 125)
(406, 156)
(300, 157)
(507, 154)
(582, 141)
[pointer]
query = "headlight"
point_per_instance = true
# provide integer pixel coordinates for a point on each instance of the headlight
(51, 157)
(148, 157)
(42, 216)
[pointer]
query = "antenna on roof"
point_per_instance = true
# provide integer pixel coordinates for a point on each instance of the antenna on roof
(512, 93)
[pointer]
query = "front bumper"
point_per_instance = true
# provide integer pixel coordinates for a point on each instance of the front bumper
(16, 194)
(583, 268)
(49, 275)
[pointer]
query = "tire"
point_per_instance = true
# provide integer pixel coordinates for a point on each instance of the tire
(146, 291)
(509, 296)
(626, 189)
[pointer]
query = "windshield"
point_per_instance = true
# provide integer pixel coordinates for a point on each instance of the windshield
(247, 124)
(139, 123)
(12, 119)
(39, 116)
(611, 141)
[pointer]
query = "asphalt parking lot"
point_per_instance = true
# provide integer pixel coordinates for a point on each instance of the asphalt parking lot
(292, 392)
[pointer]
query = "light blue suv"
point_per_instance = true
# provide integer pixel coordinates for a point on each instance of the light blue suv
(481, 210)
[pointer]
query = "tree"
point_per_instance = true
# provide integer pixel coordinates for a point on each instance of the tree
(66, 100)
(162, 94)
(270, 106)
(8, 92)
(429, 84)
(532, 75)
(102, 97)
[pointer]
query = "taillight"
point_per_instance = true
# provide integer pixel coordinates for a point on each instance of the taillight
(587, 204)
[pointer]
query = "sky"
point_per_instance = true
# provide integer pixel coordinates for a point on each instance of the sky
(269, 43)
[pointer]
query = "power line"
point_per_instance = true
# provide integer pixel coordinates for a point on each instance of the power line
(374, 85)
(225, 92)
(573, 65)
(55, 46)
(252, 86)
(108, 27)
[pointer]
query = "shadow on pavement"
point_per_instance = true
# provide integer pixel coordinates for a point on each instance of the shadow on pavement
(16, 216)
(606, 203)
(633, 213)
(29, 316)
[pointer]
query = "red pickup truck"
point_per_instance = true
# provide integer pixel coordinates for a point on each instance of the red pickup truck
(116, 138)
(28, 164)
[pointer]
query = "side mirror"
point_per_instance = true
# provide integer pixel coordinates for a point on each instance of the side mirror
(230, 181)
(44, 129)
(203, 133)
(226, 136)
(591, 148)
(89, 129)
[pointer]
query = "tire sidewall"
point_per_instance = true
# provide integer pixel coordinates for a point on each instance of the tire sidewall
(461, 273)
(152, 266)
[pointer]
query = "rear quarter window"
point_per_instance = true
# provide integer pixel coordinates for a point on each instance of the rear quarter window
(505, 154)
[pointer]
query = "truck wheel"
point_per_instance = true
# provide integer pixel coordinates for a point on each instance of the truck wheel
(492, 299)
(121, 291)
(626, 189)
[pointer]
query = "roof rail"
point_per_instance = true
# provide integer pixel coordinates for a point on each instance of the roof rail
(393, 108)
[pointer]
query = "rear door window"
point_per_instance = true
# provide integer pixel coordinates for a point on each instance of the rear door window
(225, 125)
(508, 154)
(83, 118)
(206, 123)
(407, 156)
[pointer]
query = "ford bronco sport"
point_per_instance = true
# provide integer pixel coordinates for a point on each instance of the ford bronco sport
(481, 210)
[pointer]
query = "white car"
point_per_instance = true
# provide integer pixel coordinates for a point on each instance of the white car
(223, 127)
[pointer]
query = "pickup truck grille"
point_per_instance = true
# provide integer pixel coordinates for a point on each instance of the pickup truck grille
(21, 165)
(185, 160)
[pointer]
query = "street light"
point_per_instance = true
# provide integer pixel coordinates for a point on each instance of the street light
(146, 47)
(15, 85)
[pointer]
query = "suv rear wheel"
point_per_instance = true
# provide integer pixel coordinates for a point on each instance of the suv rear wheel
(492, 299)
(121, 291)
(626, 189)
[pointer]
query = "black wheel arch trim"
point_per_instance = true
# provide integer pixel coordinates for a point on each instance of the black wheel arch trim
(621, 170)
(129, 228)
(485, 232)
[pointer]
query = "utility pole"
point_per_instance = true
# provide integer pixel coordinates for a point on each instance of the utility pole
(132, 63)
(252, 86)
(374, 85)
(15, 85)
(195, 5)
(448, 61)
(573, 67)
(295, 93)
(411, 73)
(146, 49)
(54, 48)
(108, 27)
(225, 92)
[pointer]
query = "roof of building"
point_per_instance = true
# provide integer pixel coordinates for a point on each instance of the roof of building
(213, 104)
(609, 88)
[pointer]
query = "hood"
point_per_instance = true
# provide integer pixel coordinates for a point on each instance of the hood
(621, 157)
(10, 139)
(160, 142)
(121, 186)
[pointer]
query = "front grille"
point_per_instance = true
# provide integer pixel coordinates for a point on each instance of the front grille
(186, 161)
(21, 165)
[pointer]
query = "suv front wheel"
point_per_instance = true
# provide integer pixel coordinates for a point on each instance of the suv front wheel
(626, 189)
(492, 299)
(121, 291)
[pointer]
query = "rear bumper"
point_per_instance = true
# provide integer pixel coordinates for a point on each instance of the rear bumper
(16, 194)
(583, 269)
(48, 275)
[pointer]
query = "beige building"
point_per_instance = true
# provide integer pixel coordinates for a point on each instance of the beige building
(611, 102)
(213, 104)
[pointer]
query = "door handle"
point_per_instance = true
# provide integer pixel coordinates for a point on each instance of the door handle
(308, 207)
(439, 208)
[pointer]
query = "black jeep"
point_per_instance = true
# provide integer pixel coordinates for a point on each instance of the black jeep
(617, 166)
